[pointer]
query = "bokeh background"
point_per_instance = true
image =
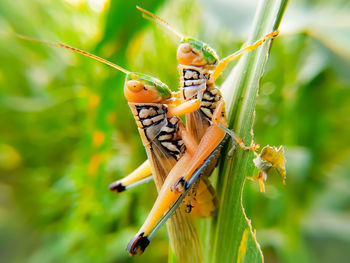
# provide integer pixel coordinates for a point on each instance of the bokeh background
(66, 131)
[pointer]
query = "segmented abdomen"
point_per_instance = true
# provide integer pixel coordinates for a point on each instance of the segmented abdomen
(156, 128)
(169, 138)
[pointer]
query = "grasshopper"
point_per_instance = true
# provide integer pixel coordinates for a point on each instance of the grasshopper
(164, 138)
(199, 67)
(166, 141)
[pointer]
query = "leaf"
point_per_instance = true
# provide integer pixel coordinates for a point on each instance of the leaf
(270, 157)
(232, 236)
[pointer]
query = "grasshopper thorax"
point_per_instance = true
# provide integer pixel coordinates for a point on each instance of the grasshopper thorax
(140, 88)
(193, 52)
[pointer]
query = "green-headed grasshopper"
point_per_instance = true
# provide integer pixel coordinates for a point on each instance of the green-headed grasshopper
(199, 67)
(165, 140)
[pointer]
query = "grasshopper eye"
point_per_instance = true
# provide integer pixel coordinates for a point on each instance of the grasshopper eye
(135, 85)
(185, 48)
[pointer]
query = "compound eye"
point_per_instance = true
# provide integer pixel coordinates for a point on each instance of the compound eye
(185, 48)
(135, 85)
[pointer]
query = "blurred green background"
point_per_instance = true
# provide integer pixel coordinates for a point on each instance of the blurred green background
(66, 131)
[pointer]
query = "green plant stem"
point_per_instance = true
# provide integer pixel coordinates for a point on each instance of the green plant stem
(232, 236)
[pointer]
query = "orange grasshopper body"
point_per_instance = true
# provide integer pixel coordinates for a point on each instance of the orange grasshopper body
(199, 66)
(162, 134)
(164, 137)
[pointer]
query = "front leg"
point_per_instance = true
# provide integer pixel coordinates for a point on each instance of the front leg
(223, 63)
(238, 140)
(184, 108)
(217, 119)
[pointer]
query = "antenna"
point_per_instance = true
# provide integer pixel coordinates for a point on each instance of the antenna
(61, 45)
(148, 15)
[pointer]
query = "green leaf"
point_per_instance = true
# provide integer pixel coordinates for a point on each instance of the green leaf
(232, 238)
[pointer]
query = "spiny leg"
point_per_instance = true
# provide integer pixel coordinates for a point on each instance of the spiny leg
(223, 125)
(223, 63)
(140, 175)
(238, 140)
(211, 139)
(165, 202)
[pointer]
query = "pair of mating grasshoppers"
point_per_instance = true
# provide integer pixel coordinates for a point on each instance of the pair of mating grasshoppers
(180, 157)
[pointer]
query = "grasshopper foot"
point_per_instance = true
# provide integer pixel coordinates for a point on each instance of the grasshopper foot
(138, 244)
(117, 187)
(231, 151)
(188, 208)
(180, 186)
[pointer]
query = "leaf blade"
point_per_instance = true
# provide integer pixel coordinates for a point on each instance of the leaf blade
(233, 236)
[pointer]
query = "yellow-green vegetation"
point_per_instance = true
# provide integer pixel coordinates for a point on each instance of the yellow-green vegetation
(66, 131)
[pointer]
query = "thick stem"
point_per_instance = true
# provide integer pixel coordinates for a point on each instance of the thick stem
(232, 236)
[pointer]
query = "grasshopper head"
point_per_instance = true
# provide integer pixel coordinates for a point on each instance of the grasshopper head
(142, 88)
(193, 52)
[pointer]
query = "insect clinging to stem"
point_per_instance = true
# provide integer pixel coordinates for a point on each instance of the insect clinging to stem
(199, 67)
(195, 147)
(164, 138)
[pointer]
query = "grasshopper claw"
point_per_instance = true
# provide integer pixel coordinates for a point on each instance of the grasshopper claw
(180, 186)
(138, 244)
(117, 187)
